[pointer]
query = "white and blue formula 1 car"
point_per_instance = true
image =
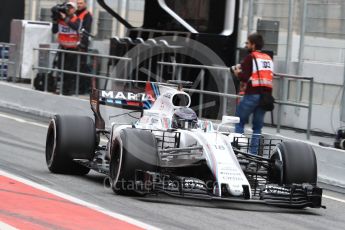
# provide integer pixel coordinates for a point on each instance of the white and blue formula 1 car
(169, 150)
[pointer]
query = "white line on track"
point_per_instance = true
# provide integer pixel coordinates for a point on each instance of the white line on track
(21, 120)
(333, 198)
(78, 201)
(40, 92)
(4, 226)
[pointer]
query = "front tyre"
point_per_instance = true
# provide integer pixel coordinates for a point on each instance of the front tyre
(132, 150)
(293, 163)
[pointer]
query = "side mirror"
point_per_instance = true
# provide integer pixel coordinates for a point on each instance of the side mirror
(230, 120)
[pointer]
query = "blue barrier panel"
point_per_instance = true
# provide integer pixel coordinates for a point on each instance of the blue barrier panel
(3, 64)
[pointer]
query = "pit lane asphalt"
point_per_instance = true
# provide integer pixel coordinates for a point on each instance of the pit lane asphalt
(22, 143)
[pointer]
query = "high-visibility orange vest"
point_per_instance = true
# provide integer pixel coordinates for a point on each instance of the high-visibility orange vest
(262, 74)
(82, 16)
(68, 38)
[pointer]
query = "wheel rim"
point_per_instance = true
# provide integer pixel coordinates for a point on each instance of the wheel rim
(51, 143)
(116, 162)
(277, 155)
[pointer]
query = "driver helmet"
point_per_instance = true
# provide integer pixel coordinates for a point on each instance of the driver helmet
(184, 118)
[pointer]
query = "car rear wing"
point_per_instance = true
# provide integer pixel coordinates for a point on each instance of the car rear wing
(135, 99)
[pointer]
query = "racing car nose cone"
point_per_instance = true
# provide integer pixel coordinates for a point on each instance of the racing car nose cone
(235, 189)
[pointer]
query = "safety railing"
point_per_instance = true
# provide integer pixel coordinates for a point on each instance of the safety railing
(77, 72)
(201, 91)
(4, 59)
(282, 91)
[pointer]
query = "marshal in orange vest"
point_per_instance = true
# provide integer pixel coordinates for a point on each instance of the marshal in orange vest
(262, 74)
(68, 38)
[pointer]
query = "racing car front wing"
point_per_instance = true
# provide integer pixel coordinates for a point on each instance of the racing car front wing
(290, 196)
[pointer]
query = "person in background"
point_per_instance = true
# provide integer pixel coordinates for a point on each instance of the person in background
(66, 26)
(256, 74)
(85, 18)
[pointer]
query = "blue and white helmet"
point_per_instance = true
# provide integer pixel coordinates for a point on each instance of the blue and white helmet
(184, 118)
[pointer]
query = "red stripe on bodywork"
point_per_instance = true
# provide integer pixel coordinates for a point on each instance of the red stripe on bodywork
(25, 207)
(149, 91)
(134, 103)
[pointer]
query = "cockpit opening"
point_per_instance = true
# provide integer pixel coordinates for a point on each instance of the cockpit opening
(181, 100)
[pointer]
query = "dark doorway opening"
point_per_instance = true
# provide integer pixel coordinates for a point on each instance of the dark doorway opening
(9, 9)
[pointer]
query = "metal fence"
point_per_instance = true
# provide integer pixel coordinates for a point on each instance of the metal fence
(225, 74)
(77, 72)
(282, 79)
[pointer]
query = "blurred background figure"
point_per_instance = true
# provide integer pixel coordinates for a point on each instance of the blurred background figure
(66, 25)
(85, 18)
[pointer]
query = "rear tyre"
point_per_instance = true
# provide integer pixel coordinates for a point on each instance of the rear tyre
(68, 138)
(293, 162)
(132, 150)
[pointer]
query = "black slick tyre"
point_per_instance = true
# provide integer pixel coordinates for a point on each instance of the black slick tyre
(293, 163)
(132, 150)
(68, 138)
